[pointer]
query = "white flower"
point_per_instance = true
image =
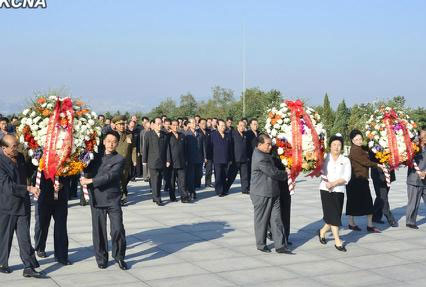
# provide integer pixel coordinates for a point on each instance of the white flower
(277, 126)
(91, 122)
(286, 120)
(25, 112)
(273, 133)
(284, 161)
(30, 152)
(34, 162)
(280, 150)
(33, 114)
(370, 144)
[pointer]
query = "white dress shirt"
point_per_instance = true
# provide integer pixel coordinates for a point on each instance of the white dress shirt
(334, 170)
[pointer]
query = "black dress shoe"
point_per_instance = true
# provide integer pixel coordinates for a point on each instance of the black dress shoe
(321, 239)
(245, 192)
(122, 264)
(264, 249)
(412, 226)
(354, 227)
(159, 203)
(173, 199)
(102, 266)
(185, 200)
(373, 229)
(379, 221)
(32, 273)
(41, 254)
(5, 269)
(289, 243)
(393, 223)
(64, 262)
(284, 250)
(340, 248)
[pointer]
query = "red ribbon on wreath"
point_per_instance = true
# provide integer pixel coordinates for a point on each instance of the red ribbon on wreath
(391, 117)
(54, 158)
(298, 112)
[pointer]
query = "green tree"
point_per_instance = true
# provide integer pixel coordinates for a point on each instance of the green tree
(341, 121)
(166, 107)
(327, 115)
(188, 106)
(418, 115)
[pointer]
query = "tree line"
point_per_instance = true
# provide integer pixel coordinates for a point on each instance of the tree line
(223, 104)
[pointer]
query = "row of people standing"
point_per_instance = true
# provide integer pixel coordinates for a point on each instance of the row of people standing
(179, 155)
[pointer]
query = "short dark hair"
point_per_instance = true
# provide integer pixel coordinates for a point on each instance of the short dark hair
(113, 133)
(157, 118)
(197, 116)
(145, 118)
(220, 120)
(262, 138)
(101, 116)
(4, 119)
(354, 133)
(336, 138)
(168, 120)
(252, 120)
(203, 119)
(229, 119)
(174, 120)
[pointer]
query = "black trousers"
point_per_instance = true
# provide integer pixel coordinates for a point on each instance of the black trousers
(194, 173)
(100, 237)
(242, 168)
(381, 203)
(285, 202)
(198, 174)
(156, 179)
(209, 172)
(221, 185)
(178, 176)
(74, 186)
(44, 213)
(167, 176)
(20, 224)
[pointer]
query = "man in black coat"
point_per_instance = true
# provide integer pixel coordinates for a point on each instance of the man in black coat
(381, 203)
(240, 157)
(15, 208)
(103, 181)
(252, 135)
(196, 154)
(206, 132)
(155, 156)
(222, 155)
(177, 159)
(48, 207)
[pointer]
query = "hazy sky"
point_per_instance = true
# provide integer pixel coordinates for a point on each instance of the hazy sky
(131, 54)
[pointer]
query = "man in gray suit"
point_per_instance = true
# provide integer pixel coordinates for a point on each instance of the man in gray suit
(416, 183)
(265, 195)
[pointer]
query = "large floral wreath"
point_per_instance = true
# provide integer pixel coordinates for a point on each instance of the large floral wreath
(390, 135)
(60, 135)
(299, 135)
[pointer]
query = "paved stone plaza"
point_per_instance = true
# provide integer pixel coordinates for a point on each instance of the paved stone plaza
(211, 243)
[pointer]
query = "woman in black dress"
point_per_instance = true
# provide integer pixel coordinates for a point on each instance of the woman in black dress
(359, 201)
(336, 172)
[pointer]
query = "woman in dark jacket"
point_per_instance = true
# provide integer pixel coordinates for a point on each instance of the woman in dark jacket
(359, 201)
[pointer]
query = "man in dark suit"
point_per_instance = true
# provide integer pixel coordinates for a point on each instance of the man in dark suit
(155, 156)
(206, 132)
(167, 176)
(103, 181)
(15, 207)
(222, 155)
(265, 195)
(48, 207)
(252, 134)
(381, 203)
(196, 154)
(146, 128)
(177, 158)
(240, 157)
(416, 183)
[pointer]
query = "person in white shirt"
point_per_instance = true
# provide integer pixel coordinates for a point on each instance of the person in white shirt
(336, 173)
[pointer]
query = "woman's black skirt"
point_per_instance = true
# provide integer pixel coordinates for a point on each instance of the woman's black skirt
(359, 201)
(332, 206)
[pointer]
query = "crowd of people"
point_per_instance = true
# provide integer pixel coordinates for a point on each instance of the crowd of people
(174, 155)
